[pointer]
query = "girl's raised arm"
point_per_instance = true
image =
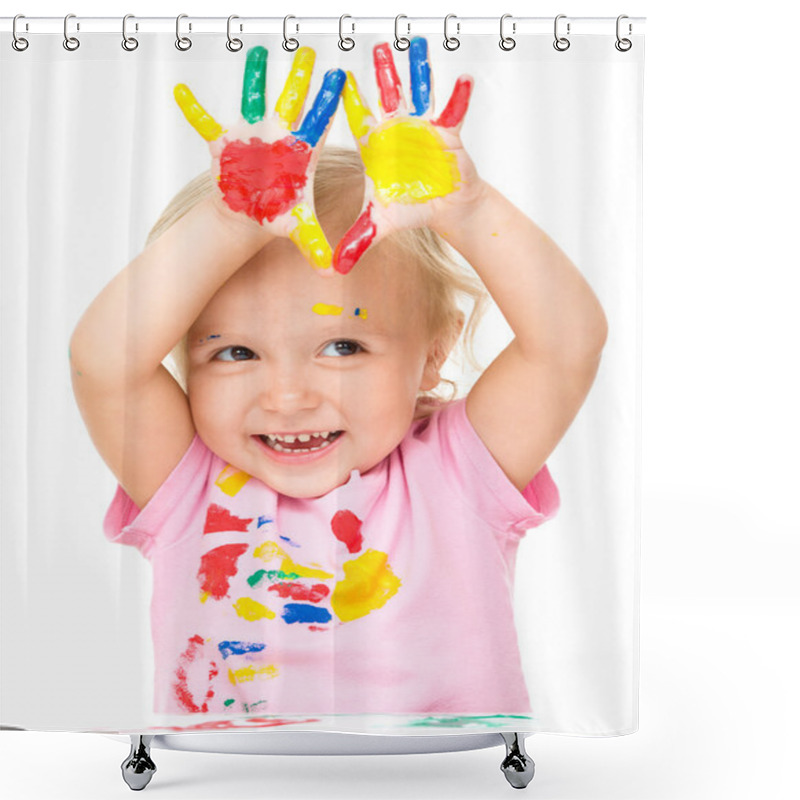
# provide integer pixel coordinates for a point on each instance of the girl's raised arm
(137, 415)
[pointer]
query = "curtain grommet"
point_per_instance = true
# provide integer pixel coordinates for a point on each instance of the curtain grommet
(561, 43)
(183, 43)
(71, 43)
(506, 42)
(290, 44)
(623, 44)
(401, 42)
(19, 43)
(345, 42)
(129, 43)
(451, 42)
(233, 45)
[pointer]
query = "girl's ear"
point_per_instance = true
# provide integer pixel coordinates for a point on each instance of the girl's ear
(437, 354)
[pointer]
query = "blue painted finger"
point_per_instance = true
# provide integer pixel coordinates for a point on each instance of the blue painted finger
(325, 103)
(420, 75)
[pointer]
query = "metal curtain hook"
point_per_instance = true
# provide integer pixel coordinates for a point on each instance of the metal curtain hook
(623, 45)
(182, 42)
(345, 42)
(18, 42)
(561, 43)
(451, 42)
(401, 42)
(129, 43)
(290, 45)
(70, 42)
(506, 42)
(234, 45)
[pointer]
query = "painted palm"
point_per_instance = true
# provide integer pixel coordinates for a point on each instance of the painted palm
(416, 167)
(264, 164)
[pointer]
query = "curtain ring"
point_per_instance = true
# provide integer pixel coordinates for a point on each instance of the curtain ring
(129, 43)
(345, 42)
(182, 42)
(506, 42)
(623, 45)
(451, 42)
(18, 43)
(233, 45)
(70, 42)
(561, 43)
(401, 42)
(290, 45)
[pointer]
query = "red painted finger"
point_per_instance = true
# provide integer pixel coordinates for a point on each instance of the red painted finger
(457, 105)
(355, 242)
(387, 78)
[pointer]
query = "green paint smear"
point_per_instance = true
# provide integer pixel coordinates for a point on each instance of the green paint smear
(229, 702)
(495, 721)
(254, 85)
(271, 575)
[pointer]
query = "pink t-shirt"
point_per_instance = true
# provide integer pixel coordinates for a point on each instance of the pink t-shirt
(393, 593)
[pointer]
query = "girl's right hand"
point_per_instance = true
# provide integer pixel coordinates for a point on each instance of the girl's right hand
(263, 165)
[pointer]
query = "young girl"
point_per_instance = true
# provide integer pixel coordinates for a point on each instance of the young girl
(325, 537)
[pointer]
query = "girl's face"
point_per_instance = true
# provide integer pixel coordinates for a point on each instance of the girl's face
(265, 359)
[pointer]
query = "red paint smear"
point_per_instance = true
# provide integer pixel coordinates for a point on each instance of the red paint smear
(355, 242)
(224, 724)
(386, 77)
(298, 591)
(457, 104)
(346, 528)
(262, 179)
(316, 628)
(217, 567)
(181, 686)
(220, 519)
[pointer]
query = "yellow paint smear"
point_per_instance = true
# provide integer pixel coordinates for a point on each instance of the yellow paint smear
(324, 308)
(196, 115)
(369, 583)
(310, 239)
(269, 551)
(293, 96)
(250, 673)
(409, 163)
(252, 610)
(358, 114)
(231, 480)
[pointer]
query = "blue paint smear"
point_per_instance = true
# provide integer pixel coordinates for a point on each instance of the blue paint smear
(239, 648)
(420, 75)
(264, 521)
(288, 541)
(325, 103)
(301, 612)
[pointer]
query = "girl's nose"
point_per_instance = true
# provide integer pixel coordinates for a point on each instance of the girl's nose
(288, 389)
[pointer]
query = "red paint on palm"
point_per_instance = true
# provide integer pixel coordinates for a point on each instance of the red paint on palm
(264, 179)
(355, 242)
(346, 528)
(457, 104)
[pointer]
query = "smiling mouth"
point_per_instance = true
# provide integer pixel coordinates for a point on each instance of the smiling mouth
(305, 443)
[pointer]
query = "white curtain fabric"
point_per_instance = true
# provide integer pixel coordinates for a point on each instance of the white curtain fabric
(92, 149)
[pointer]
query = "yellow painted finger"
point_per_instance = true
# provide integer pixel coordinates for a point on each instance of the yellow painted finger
(293, 96)
(310, 239)
(359, 116)
(196, 115)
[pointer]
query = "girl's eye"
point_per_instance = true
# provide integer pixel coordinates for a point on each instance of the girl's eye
(235, 353)
(342, 347)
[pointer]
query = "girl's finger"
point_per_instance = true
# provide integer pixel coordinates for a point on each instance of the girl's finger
(196, 115)
(359, 117)
(457, 105)
(363, 233)
(295, 90)
(318, 118)
(310, 238)
(420, 75)
(391, 92)
(254, 85)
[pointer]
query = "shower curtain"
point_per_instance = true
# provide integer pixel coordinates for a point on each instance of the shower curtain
(465, 558)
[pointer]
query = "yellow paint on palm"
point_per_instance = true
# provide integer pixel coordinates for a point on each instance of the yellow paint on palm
(293, 96)
(357, 111)
(310, 239)
(246, 674)
(369, 583)
(409, 162)
(196, 115)
(252, 610)
(231, 480)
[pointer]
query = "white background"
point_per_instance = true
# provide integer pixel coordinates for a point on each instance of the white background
(720, 535)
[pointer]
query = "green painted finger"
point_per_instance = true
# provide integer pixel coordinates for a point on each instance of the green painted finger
(254, 85)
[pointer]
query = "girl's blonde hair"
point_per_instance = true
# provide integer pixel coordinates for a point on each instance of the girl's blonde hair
(338, 189)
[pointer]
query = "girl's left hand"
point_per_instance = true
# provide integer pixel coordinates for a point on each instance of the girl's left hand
(416, 169)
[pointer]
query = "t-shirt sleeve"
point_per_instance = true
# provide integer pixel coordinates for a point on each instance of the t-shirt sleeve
(169, 511)
(480, 480)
